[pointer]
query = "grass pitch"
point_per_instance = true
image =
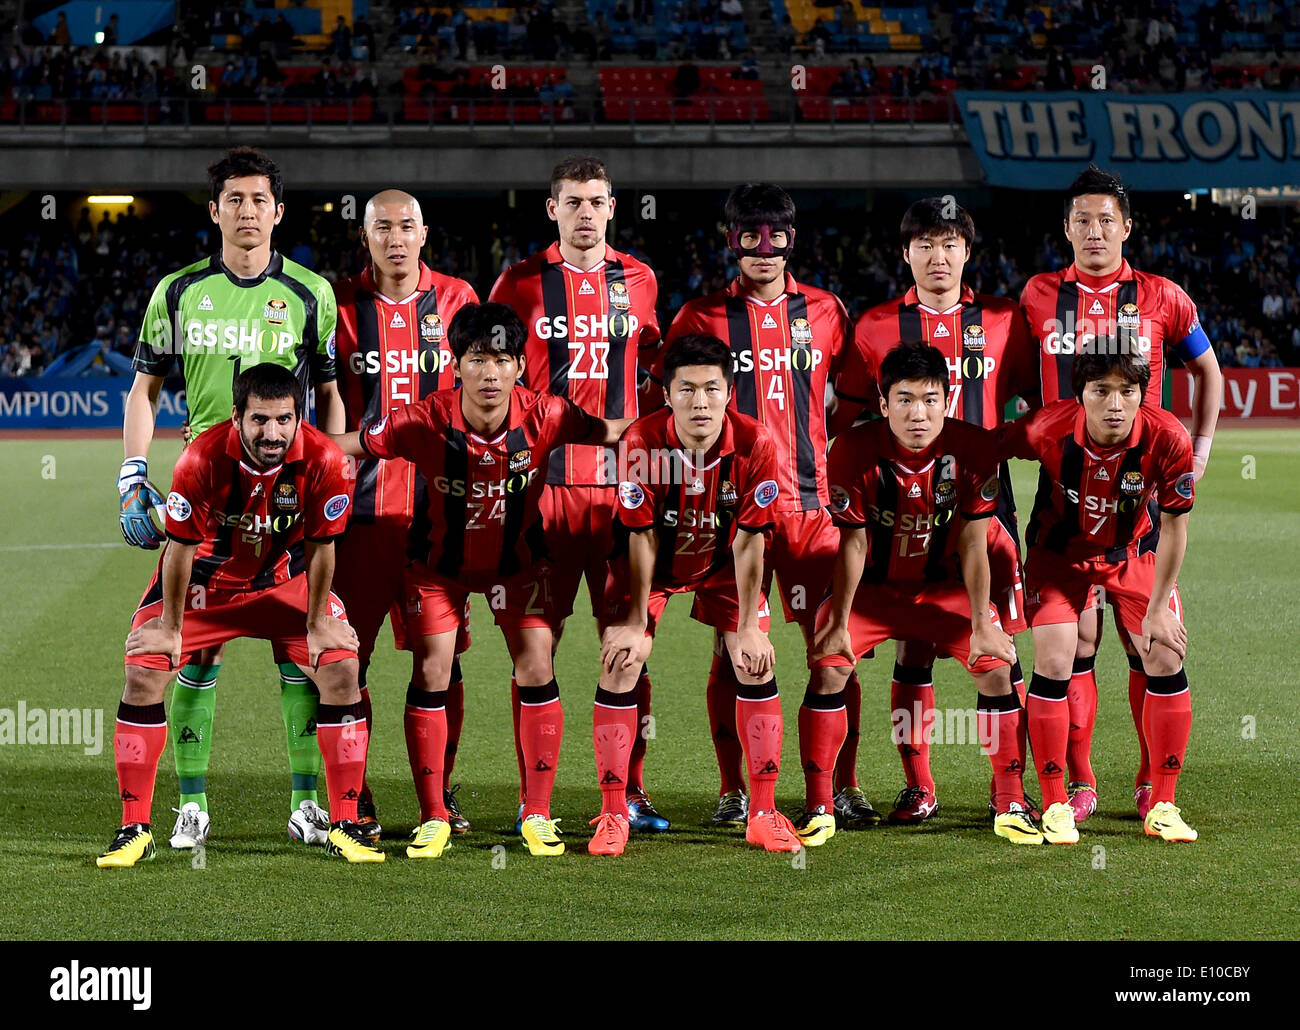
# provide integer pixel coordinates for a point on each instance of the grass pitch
(68, 586)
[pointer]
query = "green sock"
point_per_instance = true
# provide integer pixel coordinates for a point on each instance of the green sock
(193, 702)
(299, 700)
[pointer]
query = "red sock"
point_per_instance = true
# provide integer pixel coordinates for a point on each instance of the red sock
(519, 746)
(721, 698)
(1081, 697)
(911, 703)
(636, 765)
(613, 731)
(758, 717)
(138, 741)
(1049, 733)
(425, 722)
(455, 720)
(1167, 723)
(998, 722)
(541, 729)
(846, 764)
(1137, 692)
(823, 726)
(366, 796)
(1022, 727)
(343, 736)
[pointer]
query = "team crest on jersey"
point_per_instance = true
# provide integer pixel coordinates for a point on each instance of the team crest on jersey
(585, 290)
(945, 493)
(630, 496)
(276, 311)
(942, 332)
(178, 507)
(336, 506)
(206, 303)
(431, 328)
(1132, 483)
(765, 493)
(521, 460)
(972, 338)
(619, 297)
(285, 497)
(839, 499)
(1129, 318)
(1185, 485)
(989, 491)
(727, 495)
(801, 332)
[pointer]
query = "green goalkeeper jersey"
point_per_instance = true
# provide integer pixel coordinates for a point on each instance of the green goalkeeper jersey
(216, 324)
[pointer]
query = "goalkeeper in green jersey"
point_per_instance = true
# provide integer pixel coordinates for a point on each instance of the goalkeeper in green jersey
(243, 306)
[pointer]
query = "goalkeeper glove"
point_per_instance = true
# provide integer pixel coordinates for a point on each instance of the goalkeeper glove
(138, 497)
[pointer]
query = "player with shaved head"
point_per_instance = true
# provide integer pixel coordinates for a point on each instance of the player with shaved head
(392, 350)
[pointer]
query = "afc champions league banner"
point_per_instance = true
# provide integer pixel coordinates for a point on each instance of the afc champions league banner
(1041, 141)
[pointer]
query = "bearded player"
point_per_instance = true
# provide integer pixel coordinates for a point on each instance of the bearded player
(590, 315)
(911, 494)
(787, 341)
(255, 505)
(483, 450)
(990, 360)
(243, 306)
(697, 493)
(1105, 456)
(392, 349)
(1099, 294)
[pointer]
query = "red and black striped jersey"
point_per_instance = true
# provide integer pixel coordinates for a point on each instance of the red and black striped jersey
(588, 332)
(912, 503)
(695, 503)
(481, 521)
(983, 338)
(1066, 310)
(785, 351)
(1093, 502)
(250, 523)
(392, 352)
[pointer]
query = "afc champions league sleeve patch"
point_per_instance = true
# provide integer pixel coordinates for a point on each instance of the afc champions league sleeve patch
(330, 347)
(765, 493)
(378, 427)
(630, 496)
(989, 491)
(839, 499)
(1183, 487)
(336, 506)
(179, 508)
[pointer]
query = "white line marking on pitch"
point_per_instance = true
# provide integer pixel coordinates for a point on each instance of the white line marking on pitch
(57, 547)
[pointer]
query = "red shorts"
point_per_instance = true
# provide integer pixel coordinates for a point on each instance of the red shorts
(436, 604)
(716, 603)
(936, 612)
(579, 526)
(369, 562)
(1006, 578)
(801, 550)
(215, 617)
(1061, 590)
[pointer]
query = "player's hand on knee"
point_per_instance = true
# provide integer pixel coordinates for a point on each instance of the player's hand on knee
(757, 656)
(832, 640)
(138, 498)
(1163, 626)
(153, 637)
(331, 634)
(628, 640)
(988, 640)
